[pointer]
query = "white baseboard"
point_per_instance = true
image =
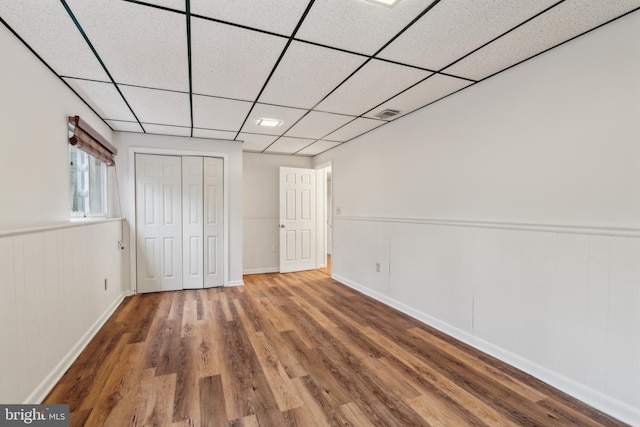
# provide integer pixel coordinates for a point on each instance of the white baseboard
(235, 283)
(47, 384)
(261, 270)
(598, 400)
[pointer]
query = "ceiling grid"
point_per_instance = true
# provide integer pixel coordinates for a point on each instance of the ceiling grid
(323, 68)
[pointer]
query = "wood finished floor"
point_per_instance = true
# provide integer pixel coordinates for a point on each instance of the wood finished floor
(295, 349)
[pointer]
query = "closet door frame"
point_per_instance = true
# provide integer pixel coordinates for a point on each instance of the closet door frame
(132, 203)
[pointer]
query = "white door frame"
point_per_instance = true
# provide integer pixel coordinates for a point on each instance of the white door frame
(132, 204)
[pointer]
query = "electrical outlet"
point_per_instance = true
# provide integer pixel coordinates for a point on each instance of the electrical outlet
(377, 267)
(106, 284)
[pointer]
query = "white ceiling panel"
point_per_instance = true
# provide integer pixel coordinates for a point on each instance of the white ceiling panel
(307, 73)
(357, 26)
(167, 130)
(349, 60)
(453, 28)
(253, 142)
(171, 4)
(287, 145)
(564, 21)
(103, 97)
(48, 29)
(124, 126)
(374, 83)
(231, 62)
(158, 106)
(219, 113)
(432, 89)
(353, 129)
(318, 147)
(140, 45)
(317, 124)
(278, 16)
(262, 111)
(213, 134)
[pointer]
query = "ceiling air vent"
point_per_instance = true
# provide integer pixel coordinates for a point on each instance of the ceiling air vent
(387, 114)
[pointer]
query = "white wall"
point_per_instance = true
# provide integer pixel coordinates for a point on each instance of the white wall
(34, 146)
(130, 142)
(52, 296)
(53, 301)
(261, 195)
(509, 216)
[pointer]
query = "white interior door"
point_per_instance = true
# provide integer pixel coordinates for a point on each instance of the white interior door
(297, 219)
(213, 221)
(192, 223)
(158, 223)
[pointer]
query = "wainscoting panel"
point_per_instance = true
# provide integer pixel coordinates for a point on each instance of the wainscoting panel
(52, 283)
(562, 303)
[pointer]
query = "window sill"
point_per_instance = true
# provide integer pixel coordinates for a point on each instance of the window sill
(80, 219)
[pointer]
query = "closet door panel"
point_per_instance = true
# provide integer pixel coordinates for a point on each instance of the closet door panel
(193, 224)
(158, 223)
(213, 224)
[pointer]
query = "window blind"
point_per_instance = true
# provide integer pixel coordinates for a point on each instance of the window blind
(87, 139)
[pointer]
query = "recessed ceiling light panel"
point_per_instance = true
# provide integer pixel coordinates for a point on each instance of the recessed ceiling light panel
(387, 3)
(271, 123)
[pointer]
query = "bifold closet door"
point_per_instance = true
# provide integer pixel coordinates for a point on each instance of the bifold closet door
(192, 222)
(179, 222)
(213, 221)
(202, 203)
(158, 223)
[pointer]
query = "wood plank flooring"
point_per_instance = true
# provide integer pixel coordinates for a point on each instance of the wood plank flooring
(295, 349)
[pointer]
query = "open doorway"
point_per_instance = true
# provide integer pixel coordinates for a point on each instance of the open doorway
(325, 175)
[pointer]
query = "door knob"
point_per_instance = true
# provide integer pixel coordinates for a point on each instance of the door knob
(281, 225)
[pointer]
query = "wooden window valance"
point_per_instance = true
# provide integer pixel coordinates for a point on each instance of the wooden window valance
(87, 139)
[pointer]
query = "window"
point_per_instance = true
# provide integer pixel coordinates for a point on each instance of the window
(88, 178)
(89, 155)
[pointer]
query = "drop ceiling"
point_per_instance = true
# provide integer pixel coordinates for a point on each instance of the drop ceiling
(324, 68)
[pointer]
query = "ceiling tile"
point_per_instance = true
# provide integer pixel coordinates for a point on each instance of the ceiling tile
(139, 45)
(214, 134)
(231, 62)
(432, 89)
(103, 97)
(318, 147)
(253, 142)
(124, 126)
(167, 130)
(353, 129)
(324, 84)
(158, 106)
(262, 111)
(317, 124)
(278, 16)
(357, 26)
(453, 28)
(171, 4)
(287, 145)
(219, 113)
(376, 82)
(307, 73)
(48, 29)
(567, 20)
